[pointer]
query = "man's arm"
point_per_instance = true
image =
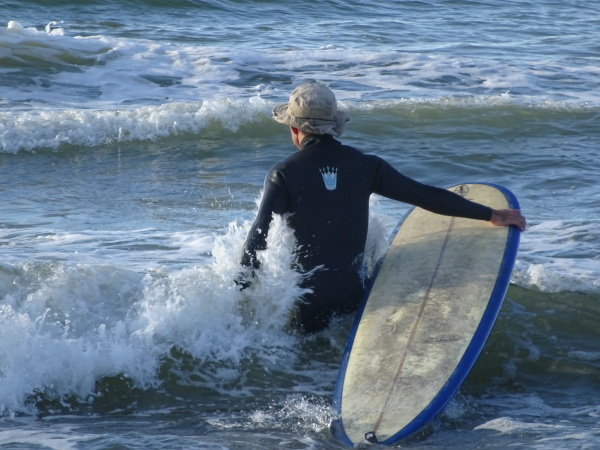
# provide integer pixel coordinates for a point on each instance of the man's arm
(393, 184)
(274, 201)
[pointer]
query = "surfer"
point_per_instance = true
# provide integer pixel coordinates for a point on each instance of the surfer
(323, 192)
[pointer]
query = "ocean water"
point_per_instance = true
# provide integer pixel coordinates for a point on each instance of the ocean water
(134, 141)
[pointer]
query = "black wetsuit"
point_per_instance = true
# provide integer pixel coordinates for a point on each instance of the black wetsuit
(324, 191)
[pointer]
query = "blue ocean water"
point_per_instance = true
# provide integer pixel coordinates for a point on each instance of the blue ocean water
(134, 141)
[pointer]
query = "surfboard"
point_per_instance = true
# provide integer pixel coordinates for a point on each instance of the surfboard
(424, 320)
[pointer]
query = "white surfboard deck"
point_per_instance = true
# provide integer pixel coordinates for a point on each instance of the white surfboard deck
(418, 333)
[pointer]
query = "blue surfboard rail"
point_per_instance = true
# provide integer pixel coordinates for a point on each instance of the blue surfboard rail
(447, 392)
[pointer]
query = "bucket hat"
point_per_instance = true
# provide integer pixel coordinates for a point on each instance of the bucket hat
(313, 109)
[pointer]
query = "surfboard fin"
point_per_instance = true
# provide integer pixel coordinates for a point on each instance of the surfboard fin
(370, 437)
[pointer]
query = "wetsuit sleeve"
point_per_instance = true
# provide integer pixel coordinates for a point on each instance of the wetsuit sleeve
(392, 184)
(274, 201)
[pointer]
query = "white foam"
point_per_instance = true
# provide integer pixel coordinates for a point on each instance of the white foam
(565, 433)
(58, 439)
(138, 249)
(88, 128)
(101, 89)
(557, 256)
(104, 72)
(100, 70)
(64, 326)
(510, 425)
(26, 130)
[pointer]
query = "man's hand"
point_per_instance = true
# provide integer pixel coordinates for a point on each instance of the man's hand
(244, 280)
(506, 217)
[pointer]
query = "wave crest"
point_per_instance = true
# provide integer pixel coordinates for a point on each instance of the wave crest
(29, 131)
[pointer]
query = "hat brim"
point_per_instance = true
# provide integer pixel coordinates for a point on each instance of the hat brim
(334, 127)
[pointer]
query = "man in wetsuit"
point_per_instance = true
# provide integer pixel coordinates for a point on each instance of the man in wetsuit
(323, 190)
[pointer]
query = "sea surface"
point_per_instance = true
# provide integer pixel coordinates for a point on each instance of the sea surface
(134, 140)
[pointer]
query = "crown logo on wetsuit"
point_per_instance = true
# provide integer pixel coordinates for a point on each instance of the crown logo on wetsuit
(329, 175)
